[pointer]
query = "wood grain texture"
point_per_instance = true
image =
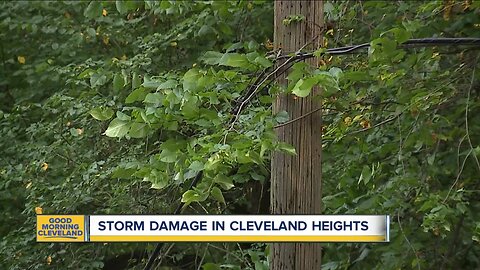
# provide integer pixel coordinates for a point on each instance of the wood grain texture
(296, 180)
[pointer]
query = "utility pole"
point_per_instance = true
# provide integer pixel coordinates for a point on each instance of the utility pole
(296, 186)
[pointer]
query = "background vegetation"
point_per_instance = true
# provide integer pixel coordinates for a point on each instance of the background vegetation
(113, 107)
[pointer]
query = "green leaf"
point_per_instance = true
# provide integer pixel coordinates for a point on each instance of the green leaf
(225, 182)
(97, 80)
(298, 91)
(121, 7)
(217, 195)
(117, 128)
(212, 58)
(190, 79)
(211, 266)
(194, 196)
(431, 159)
(168, 156)
(212, 163)
(101, 113)
(401, 35)
(196, 166)
(205, 30)
(91, 32)
(287, 148)
(149, 83)
(124, 173)
(299, 70)
(122, 116)
(336, 72)
(138, 130)
(257, 177)
(94, 10)
(190, 108)
(303, 87)
(264, 62)
(327, 82)
(158, 180)
(357, 76)
(366, 175)
(234, 60)
(136, 82)
(155, 98)
(118, 82)
(282, 117)
(243, 157)
(170, 84)
(138, 94)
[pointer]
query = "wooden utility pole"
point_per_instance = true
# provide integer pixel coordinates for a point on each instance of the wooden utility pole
(296, 180)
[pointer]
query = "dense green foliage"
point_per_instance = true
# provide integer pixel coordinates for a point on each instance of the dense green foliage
(113, 107)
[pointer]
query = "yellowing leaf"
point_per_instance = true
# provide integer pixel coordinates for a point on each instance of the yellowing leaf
(106, 40)
(268, 45)
(104, 12)
(466, 5)
(447, 11)
(21, 60)
(38, 210)
(347, 120)
(44, 166)
(29, 184)
(49, 260)
(79, 131)
(357, 117)
(365, 124)
(330, 32)
(325, 42)
(173, 44)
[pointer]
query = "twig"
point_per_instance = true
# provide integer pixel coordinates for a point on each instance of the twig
(376, 125)
(466, 115)
(203, 257)
(166, 253)
(228, 252)
(178, 210)
(408, 241)
(242, 104)
(458, 175)
(400, 155)
(467, 136)
(257, 86)
(298, 118)
(453, 245)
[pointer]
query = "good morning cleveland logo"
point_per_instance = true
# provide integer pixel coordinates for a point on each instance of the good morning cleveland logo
(59, 228)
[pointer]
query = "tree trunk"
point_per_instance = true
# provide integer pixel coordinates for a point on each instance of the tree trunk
(296, 180)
